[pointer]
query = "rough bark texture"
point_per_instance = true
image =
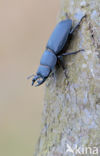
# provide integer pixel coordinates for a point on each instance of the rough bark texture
(71, 112)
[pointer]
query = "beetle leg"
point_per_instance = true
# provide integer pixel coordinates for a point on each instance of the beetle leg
(70, 53)
(61, 61)
(77, 25)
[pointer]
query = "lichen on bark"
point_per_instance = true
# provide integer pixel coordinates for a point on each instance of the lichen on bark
(71, 112)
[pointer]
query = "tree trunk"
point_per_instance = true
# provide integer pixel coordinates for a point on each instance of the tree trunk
(71, 115)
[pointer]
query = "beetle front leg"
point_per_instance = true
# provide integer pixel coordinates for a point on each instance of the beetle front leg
(61, 62)
(71, 53)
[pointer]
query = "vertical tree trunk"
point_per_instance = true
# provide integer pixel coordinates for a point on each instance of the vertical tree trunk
(71, 115)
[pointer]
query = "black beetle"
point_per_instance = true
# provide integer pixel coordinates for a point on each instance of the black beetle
(53, 54)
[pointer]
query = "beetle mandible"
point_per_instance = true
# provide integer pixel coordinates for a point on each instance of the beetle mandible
(52, 54)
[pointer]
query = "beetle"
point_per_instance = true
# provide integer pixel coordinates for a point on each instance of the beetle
(53, 52)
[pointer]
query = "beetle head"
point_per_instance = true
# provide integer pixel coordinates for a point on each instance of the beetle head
(41, 75)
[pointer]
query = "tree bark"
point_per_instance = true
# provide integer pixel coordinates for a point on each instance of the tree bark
(71, 114)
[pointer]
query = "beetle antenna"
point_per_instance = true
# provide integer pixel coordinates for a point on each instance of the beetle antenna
(30, 76)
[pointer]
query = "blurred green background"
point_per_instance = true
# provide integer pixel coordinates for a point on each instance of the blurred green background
(25, 26)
